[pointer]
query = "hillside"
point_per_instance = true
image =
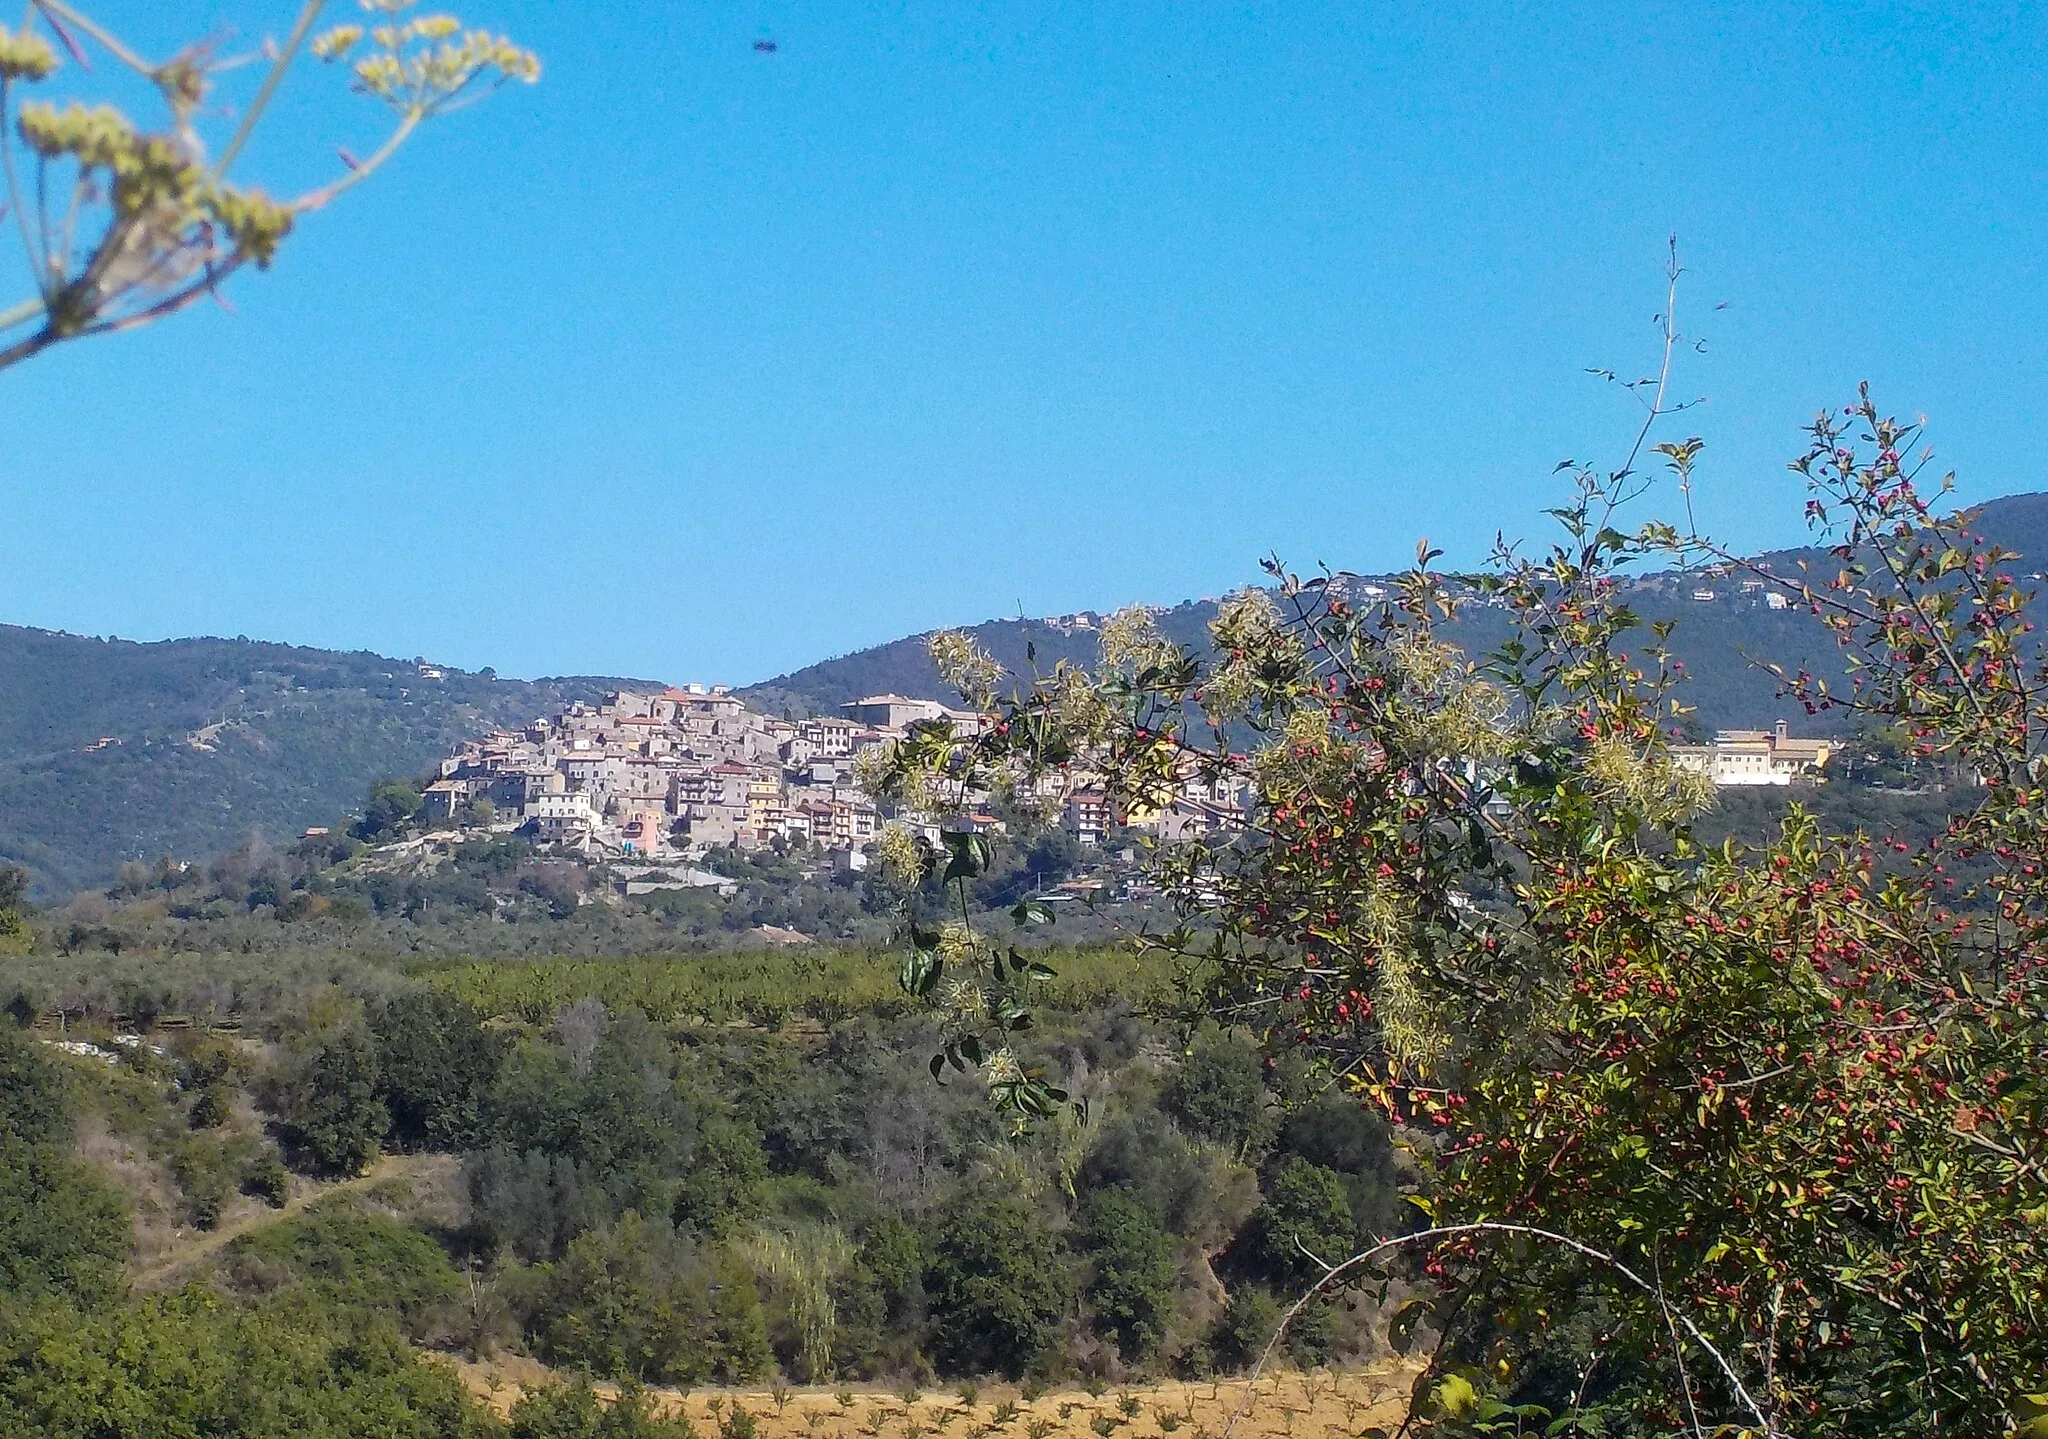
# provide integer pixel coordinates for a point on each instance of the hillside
(902, 667)
(113, 750)
(623, 1186)
(1719, 641)
(1716, 642)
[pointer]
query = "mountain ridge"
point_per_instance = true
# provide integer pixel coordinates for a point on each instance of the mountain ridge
(1728, 690)
(122, 749)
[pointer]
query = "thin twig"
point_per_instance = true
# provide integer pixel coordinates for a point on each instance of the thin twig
(57, 11)
(1452, 1231)
(271, 81)
(18, 314)
(38, 261)
(361, 172)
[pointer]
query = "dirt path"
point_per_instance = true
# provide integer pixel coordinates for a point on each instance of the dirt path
(1320, 1404)
(205, 1245)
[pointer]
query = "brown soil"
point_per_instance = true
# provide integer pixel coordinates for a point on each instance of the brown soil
(1320, 1404)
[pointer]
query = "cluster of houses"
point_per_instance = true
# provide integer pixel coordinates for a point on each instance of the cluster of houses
(687, 770)
(682, 771)
(671, 775)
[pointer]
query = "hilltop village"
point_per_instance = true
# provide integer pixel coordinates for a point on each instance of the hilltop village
(679, 771)
(675, 774)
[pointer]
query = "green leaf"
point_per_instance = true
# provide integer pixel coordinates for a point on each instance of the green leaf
(1401, 1331)
(1031, 911)
(970, 856)
(1455, 1396)
(1478, 847)
(921, 971)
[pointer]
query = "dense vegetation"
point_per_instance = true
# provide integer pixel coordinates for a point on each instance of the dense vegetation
(691, 1180)
(388, 884)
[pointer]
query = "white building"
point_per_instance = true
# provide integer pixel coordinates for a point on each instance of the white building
(559, 816)
(1744, 757)
(893, 712)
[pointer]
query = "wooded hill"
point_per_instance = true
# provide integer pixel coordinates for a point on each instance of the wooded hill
(1719, 641)
(113, 750)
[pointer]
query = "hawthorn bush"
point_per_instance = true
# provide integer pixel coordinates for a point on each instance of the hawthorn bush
(1706, 1139)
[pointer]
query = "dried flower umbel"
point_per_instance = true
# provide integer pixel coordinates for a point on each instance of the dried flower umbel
(121, 224)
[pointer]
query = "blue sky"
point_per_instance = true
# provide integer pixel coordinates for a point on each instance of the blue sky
(695, 362)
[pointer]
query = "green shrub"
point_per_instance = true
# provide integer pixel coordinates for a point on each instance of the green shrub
(995, 1282)
(212, 1108)
(1307, 1209)
(210, 1060)
(195, 1364)
(333, 1121)
(206, 1170)
(1245, 1327)
(37, 1107)
(1217, 1092)
(721, 1187)
(1133, 1287)
(436, 1066)
(635, 1301)
(338, 1257)
(1336, 1133)
(62, 1229)
(267, 1179)
(573, 1411)
(880, 1302)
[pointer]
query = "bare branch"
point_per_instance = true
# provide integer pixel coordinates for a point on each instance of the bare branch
(1453, 1231)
